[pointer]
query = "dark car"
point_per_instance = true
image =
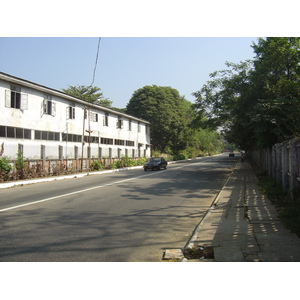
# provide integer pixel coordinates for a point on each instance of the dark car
(155, 163)
(231, 154)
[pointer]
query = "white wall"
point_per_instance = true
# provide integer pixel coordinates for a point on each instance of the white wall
(33, 118)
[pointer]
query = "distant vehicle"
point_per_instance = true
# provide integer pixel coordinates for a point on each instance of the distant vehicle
(155, 163)
(231, 154)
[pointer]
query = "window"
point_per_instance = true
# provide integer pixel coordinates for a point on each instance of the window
(3, 131)
(129, 125)
(130, 143)
(49, 107)
(119, 142)
(105, 119)
(46, 135)
(119, 123)
(19, 133)
(76, 138)
(94, 117)
(91, 139)
(70, 112)
(15, 132)
(107, 141)
(139, 127)
(15, 99)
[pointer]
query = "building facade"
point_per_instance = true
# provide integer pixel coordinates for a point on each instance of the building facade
(43, 123)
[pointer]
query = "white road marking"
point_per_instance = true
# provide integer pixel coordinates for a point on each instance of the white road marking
(84, 190)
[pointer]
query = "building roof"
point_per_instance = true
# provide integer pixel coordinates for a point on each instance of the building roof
(42, 88)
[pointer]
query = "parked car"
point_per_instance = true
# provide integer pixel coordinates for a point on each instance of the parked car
(155, 163)
(231, 154)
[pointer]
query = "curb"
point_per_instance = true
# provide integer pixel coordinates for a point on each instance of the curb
(77, 175)
(191, 242)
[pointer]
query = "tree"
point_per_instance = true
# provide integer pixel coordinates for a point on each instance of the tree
(166, 110)
(257, 102)
(277, 67)
(88, 93)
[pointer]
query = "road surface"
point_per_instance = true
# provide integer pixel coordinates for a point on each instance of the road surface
(128, 216)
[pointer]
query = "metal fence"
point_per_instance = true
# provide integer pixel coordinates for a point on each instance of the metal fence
(282, 162)
(53, 160)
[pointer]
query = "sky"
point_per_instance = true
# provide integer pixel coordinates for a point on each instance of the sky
(159, 42)
(162, 42)
(124, 64)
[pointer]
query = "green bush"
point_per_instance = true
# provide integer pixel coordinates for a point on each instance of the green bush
(4, 165)
(269, 187)
(96, 165)
(19, 164)
(126, 161)
(290, 216)
(141, 161)
(179, 157)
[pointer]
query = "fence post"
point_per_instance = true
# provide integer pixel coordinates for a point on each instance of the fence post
(273, 174)
(293, 169)
(284, 163)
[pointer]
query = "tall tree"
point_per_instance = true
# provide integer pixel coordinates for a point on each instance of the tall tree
(258, 102)
(166, 110)
(88, 93)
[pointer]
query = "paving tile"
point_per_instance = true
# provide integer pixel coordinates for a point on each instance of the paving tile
(228, 254)
(173, 254)
(280, 253)
(244, 225)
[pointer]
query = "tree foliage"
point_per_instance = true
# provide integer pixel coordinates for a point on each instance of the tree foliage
(171, 116)
(164, 108)
(88, 93)
(257, 102)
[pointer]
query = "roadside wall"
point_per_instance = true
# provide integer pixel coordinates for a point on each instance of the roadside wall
(282, 162)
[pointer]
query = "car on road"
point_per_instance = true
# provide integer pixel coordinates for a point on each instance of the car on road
(231, 154)
(155, 163)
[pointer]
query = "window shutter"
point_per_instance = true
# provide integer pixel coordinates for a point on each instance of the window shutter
(24, 101)
(53, 109)
(7, 98)
(73, 110)
(45, 110)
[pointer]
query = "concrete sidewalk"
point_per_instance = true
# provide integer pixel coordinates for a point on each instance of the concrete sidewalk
(243, 225)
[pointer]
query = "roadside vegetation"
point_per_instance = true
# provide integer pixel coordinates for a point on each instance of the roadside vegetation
(20, 170)
(256, 102)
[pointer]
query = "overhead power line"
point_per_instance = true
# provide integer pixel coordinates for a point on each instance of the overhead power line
(96, 61)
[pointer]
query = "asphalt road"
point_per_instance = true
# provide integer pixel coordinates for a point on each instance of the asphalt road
(117, 217)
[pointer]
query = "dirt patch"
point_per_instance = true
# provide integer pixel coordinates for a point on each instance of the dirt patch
(199, 252)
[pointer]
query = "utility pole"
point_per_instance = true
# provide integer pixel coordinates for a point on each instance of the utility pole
(89, 131)
(82, 151)
(67, 128)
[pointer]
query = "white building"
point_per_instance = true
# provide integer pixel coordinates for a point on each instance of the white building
(44, 123)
